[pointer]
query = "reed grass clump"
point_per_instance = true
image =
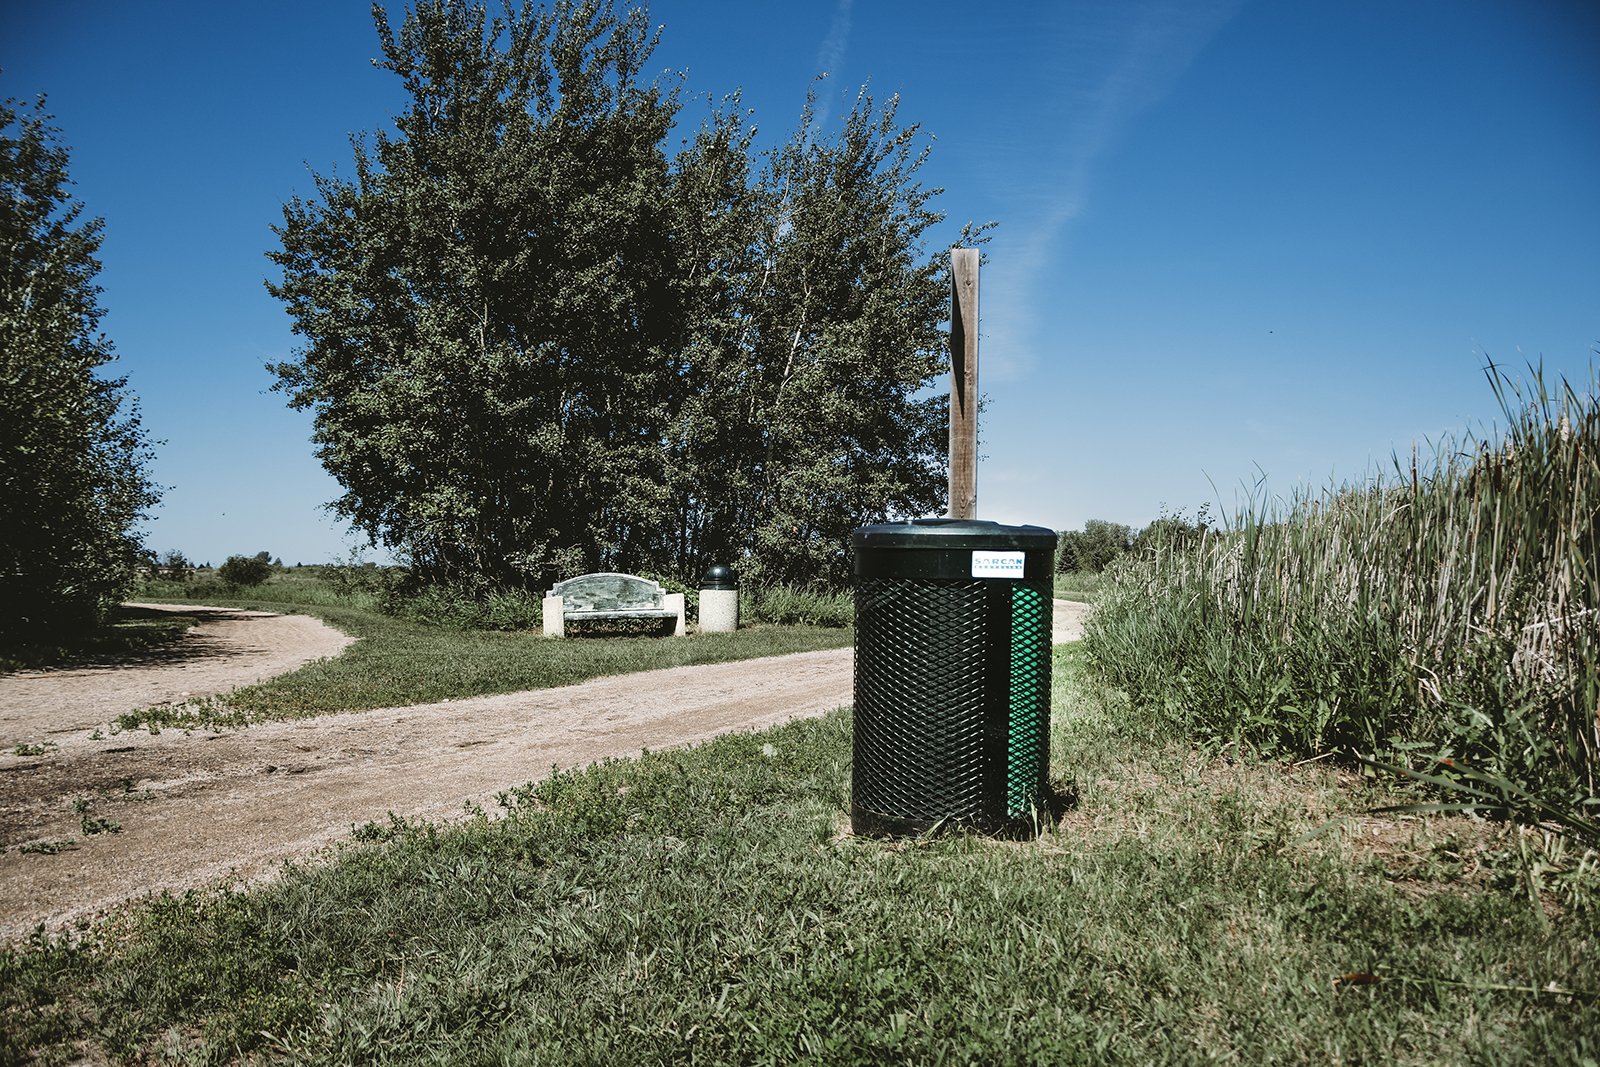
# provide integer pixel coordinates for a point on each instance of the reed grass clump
(1442, 615)
(793, 605)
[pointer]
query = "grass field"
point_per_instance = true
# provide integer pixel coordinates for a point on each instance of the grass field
(1079, 585)
(399, 661)
(1443, 615)
(704, 905)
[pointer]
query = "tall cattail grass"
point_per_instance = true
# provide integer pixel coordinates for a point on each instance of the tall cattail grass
(1445, 610)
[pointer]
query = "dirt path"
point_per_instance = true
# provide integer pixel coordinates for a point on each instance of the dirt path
(1068, 620)
(227, 649)
(196, 808)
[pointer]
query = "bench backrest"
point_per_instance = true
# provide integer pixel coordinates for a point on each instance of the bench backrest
(607, 592)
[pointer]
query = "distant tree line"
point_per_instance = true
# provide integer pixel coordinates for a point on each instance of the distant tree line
(540, 340)
(1091, 549)
(1100, 543)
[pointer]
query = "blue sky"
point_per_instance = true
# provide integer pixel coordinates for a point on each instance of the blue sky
(1235, 239)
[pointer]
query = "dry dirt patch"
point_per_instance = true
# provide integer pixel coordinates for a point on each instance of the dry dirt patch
(194, 808)
(1067, 620)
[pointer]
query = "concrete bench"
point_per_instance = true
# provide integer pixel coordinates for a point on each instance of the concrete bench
(610, 598)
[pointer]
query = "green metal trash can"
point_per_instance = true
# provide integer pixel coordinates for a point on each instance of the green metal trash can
(952, 676)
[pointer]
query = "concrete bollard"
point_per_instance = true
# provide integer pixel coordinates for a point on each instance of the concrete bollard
(554, 624)
(676, 603)
(719, 601)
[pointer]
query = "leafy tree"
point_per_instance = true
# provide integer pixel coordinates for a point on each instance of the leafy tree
(169, 564)
(1173, 531)
(72, 454)
(485, 303)
(1092, 548)
(245, 570)
(535, 344)
(807, 413)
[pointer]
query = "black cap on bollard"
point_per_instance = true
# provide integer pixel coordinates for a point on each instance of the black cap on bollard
(719, 577)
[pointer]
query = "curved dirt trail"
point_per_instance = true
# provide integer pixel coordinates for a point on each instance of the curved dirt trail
(227, 649)
(199, 807)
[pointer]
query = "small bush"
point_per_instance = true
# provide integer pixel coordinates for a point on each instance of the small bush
(512, 609)
(691, 594)
(239, 571)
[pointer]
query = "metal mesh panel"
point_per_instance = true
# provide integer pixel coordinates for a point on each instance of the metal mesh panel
(921, 653)
(1028, 732)
(952, 685)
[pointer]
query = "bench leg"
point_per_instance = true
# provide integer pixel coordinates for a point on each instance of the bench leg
(674, 602)
(553, 625)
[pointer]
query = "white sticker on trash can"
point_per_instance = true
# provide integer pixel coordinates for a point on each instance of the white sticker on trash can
(997, 564)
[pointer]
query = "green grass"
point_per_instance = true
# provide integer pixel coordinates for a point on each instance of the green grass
(127, 632)
(398, 661)
(702, 905)
(314, 586)
(1084, 586)
(797, 606)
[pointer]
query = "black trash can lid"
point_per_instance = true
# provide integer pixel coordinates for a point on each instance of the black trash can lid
(953, 533)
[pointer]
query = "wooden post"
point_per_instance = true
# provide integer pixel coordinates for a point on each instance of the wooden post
(963, 383)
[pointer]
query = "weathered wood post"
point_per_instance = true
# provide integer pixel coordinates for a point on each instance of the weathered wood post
(963, 383)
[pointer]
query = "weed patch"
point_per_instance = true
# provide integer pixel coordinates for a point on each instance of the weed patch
(1438, 620)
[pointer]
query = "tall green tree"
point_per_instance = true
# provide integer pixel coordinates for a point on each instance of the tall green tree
(822, 386)
(536, 343)
(73, 479)
(1092, 548)
(484, 302)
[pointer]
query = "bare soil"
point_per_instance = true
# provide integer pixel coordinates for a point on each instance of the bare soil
(195, 808)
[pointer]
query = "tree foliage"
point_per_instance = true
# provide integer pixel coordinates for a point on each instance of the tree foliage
(807, 389)
(72, 454)
(536, 343)
(1092, 548)
(245, 570)
(1173, 531)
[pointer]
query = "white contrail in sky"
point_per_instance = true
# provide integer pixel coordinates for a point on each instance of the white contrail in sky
(831, 55)
(1104, 64)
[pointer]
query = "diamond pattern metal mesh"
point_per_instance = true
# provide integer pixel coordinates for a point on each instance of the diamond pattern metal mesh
(1028, 735)
(921, 649)
(952, 699)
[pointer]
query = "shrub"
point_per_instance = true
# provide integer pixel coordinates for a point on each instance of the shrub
(462, 607)
(238, 571)
(1172, 530)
